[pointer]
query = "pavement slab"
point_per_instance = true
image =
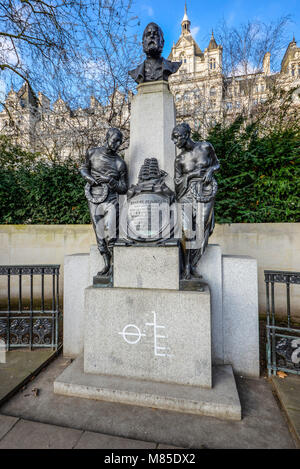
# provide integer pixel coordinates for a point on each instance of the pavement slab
(91, 440)
(19, 365)
(263, 424)
(288, 392)
(34, 435)
(6, 424)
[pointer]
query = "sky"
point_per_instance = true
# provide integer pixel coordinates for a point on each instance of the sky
(206, 15)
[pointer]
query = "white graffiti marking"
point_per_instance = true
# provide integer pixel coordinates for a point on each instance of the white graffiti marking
(136, 334)
(132, 335)
(157, 336)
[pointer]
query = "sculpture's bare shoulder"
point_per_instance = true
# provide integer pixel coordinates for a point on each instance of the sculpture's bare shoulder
(204, 145)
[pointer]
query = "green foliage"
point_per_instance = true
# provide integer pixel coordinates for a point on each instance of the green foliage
(38, 192)
(259, 172)
(258, 178)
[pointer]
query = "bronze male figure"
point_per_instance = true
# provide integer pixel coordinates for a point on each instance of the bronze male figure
(196, 190)
(106, 175)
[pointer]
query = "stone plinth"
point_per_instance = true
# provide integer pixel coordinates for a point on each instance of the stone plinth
(76, 273)
(234, 302)
(240, 314)
(210, 267)
(153, 335)
(221, 401)
(146, 266)
(151, 123)
(2, 351)
(96, 263)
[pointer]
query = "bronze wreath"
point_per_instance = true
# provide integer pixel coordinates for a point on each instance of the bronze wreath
(201, 197)
(100, 198)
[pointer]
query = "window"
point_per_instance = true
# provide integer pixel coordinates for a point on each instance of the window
(293, 70)
(187, 96)
(213, 91)
(262, 88)
(299, 69)
(212, 64)
(238, 105)
(229, 106)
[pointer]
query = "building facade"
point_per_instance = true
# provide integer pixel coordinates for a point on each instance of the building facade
(56, 131)
(204, 95)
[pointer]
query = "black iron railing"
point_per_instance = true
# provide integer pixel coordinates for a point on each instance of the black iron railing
(35, 324)
(283, 341)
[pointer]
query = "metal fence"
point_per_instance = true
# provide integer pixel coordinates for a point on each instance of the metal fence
(283, 340)
(33, 322)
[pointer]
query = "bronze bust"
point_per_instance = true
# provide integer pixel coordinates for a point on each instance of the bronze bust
(155, 67)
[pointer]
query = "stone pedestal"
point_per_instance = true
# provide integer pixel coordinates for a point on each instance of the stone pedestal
(159, 267)
(79, 270)
(232, 281)
(148, 343)
(155, 335)
(151, 123)
(2, 351)
(221, 401)
(210, 267)
(240, 314)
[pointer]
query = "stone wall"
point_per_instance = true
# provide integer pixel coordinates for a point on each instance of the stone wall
(274, 245)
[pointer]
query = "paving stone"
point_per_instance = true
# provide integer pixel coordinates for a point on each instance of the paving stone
(19, 365)
(260, 416)
(288, 391)
(35, 435)
(6, 423)
(91, 440)
(168, 447)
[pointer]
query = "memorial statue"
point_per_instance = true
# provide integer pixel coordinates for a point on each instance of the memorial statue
(155, 67)
(195, 189)
(106, 175)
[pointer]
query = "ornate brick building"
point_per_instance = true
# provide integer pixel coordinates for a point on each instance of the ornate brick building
(203, 96)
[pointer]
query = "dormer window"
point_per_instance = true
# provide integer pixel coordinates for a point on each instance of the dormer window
(293, 70)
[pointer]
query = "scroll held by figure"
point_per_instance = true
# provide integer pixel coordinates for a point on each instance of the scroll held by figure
(106, 175)
(155, 67)
(196, 189)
